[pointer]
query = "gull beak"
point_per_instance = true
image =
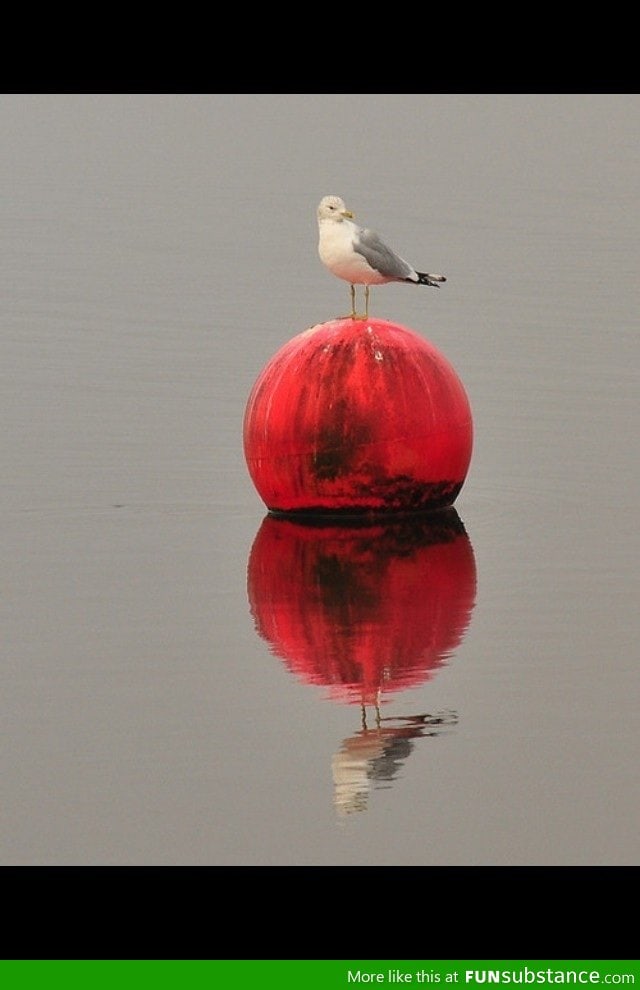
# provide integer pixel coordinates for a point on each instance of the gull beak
(346, 213)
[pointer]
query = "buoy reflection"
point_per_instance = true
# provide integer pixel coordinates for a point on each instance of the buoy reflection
(365, 610)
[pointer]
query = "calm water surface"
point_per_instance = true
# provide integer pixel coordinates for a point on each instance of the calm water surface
(189, 681)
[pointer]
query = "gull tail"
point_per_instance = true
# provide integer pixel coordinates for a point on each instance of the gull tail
(424, 279)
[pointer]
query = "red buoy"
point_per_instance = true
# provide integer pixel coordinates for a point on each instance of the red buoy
(357, 416)
(364, 610)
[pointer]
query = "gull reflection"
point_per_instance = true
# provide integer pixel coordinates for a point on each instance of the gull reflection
(373, 757)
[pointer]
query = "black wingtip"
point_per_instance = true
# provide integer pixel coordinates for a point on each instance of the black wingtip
(434, 280)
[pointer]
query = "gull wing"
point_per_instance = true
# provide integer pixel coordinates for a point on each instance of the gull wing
(380, 257)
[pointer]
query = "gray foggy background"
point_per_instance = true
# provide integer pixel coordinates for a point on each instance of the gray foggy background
(157, 251)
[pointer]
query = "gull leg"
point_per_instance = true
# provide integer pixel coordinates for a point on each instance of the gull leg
(354, 315)
(366, 302)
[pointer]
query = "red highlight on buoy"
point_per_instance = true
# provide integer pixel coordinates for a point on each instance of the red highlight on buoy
(356, 416)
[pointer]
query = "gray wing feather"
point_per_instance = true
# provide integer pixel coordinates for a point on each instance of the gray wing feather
(379, 256)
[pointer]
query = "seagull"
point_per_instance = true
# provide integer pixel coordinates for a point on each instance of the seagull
(357, 254)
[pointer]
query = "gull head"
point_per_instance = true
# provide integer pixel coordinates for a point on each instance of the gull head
(333, 208)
